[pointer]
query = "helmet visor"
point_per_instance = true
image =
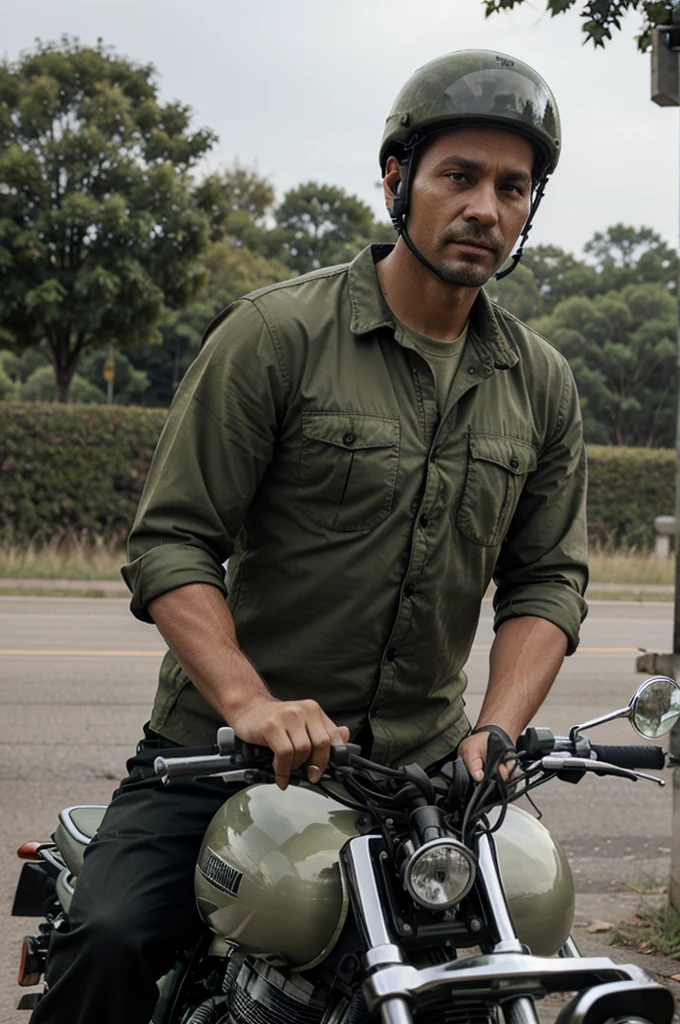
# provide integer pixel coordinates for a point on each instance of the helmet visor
(504, 97)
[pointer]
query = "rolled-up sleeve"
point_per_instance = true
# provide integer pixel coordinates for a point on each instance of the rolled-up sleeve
(542, 569)
(212, 453)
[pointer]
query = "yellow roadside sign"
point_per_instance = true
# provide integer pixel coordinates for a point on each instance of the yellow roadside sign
(109, 369)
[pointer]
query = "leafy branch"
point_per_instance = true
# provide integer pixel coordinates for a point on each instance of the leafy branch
(600, 17)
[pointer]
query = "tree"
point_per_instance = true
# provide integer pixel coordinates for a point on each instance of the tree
(622, 349)
(234, 191)
(625, 255)
(41, 387)
(231, 270)
(99, 231)
(129, 383)
(322, 225)
(599, 17)
(559, 274)
(519, 293)
(617, 257)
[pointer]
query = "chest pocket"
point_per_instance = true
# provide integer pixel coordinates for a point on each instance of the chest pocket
(348, 469)
(496, 470)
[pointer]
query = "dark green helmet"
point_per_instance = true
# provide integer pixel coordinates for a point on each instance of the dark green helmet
(474, 87)
(471, 87)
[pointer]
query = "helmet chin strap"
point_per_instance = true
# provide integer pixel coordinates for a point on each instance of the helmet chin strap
(535, 202)
(400, 204)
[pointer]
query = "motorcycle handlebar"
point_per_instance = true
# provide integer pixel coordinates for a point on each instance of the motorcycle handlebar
(186, 761)
(630, 757)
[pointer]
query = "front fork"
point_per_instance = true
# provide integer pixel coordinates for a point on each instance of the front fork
(357, 857)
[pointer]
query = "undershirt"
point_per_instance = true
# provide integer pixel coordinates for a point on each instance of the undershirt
(443, 358)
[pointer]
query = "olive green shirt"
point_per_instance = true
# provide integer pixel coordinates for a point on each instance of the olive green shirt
(443, 358)
(362, 528)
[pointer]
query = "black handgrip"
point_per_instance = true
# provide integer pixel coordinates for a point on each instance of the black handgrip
(631, 757)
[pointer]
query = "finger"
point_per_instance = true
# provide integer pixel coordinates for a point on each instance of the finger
(279, 741)
(302, 745)
(321, 749)
(475, 766)
(336, 733)
(323, 734)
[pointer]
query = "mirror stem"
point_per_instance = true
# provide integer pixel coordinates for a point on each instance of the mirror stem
(621, 713)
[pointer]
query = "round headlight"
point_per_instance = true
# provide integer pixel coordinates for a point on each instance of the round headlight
(440, 873)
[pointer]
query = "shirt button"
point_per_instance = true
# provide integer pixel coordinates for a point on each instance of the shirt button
(423, 521)
(471, 369)
(349, 438)
(391, 654)
(409, 590)
(514, 463)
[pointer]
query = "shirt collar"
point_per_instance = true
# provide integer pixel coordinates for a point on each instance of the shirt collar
(370, 311)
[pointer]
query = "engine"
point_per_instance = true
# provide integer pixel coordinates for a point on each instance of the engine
(254, 992)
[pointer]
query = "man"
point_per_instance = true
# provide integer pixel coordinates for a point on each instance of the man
(369, 445)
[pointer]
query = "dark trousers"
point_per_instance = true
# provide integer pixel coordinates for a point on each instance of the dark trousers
(133, 910)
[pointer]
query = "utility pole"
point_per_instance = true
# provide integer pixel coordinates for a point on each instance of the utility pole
(666, 93)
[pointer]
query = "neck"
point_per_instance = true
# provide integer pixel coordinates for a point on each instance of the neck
(420, 299)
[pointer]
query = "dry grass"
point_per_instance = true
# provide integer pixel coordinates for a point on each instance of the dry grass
(73, 559)
(629, 567)
(76, 559)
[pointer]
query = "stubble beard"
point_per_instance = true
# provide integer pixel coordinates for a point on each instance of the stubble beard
(463, 276)
(465, 271)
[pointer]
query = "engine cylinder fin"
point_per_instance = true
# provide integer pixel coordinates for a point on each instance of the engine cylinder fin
(441, 1013)
(255, 998)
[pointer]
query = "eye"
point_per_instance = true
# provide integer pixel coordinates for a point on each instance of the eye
(512, 187)
(458, 177)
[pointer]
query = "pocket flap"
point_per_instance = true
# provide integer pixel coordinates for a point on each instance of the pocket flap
(512, 454)
(350, 431)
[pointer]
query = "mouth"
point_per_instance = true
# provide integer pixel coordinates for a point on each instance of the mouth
(470, 246)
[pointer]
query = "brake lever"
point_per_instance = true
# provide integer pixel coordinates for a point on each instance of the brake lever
(563, 762)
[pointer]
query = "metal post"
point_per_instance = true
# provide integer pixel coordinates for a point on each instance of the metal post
(109, 373)
(666, 93)
(674, 888)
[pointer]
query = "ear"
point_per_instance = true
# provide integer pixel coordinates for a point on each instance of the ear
(391, 181)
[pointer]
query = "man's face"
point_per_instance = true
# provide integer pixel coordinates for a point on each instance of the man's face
(470, 198)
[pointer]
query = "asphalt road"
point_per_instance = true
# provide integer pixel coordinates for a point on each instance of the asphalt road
(77, 678)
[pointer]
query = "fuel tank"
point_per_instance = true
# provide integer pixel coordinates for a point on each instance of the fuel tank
(268, 875)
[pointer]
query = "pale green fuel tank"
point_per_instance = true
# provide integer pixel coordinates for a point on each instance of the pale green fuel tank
(268, 875)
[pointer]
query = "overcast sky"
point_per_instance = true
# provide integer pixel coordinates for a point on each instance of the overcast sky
(301, 89)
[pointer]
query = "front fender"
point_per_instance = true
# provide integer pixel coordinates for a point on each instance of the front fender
(626, 999)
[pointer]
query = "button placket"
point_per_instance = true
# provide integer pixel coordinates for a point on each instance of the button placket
(417, 558)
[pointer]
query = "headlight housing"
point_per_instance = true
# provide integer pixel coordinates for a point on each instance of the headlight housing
(440, 873)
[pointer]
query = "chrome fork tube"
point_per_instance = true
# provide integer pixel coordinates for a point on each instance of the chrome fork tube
(357, 860)
(489, 876)
(515, 1011)
(395, 1011)
(569, 949)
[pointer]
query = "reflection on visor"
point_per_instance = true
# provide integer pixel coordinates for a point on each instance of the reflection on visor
(503, 93)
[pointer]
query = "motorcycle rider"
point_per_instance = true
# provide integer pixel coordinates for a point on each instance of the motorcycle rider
(369, 445)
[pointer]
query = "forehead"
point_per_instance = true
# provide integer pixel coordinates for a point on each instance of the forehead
(481, 143)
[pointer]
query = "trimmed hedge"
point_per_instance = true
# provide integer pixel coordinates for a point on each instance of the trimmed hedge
(68, 470)
(627, 489)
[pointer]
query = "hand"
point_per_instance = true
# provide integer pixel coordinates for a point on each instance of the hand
(473, 751)
(296, 730)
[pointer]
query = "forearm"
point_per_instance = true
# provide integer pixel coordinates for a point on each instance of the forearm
(526, 656)
(197, 625)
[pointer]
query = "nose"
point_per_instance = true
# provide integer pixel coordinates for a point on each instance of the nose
(482, 205)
